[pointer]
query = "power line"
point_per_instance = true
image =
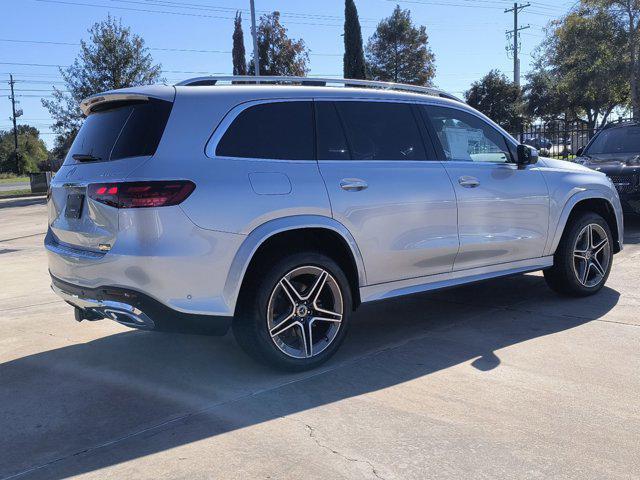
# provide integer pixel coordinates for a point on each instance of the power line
(192, 50)
(168, 12)
(209, 7)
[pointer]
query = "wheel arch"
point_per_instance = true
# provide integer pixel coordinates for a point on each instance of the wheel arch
(589, 202)
(316, 232)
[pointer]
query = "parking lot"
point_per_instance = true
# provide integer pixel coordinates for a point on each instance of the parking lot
(502, 379)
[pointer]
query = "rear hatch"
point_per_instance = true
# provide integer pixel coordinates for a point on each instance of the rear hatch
(120, 133)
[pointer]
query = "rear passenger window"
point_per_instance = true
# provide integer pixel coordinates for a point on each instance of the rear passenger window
(281, 131)
(332, 144)
(381, 131)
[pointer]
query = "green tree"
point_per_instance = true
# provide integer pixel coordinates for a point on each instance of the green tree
(353, 62)
(585, 66)
(237, 53)
(31, 150)
(399, 52)
(278, 54)
(628, 13)
(113, 57)
(499, 98)
(542, 96)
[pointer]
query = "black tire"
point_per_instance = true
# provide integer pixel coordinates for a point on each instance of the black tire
(564, 276)
(252, 330)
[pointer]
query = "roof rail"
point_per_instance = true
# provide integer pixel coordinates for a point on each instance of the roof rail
(315, 82)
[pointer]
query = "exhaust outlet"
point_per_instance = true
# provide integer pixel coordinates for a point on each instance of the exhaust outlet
(130, 318)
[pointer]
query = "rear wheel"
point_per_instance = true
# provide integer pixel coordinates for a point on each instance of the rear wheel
(583, 260)
(295, 315)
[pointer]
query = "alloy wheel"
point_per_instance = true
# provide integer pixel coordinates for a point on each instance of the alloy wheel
(304, 313)
(591, 255)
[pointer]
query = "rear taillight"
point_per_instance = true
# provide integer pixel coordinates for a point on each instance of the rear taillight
(141, 194)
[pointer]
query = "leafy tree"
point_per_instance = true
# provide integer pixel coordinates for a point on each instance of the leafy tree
(542, 96)
(498, 98)
(353, 63)
(113, 57)
(399, 52)
(31, 150)
(628, 13)
(585, 68)
(61, 146)
(278, 54)
(239, 60)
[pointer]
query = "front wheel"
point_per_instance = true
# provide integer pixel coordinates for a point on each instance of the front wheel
(295, 315)
(583, 260)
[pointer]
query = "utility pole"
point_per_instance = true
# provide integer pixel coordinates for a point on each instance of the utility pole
(254, 34)
(15, 115)
(515, 33)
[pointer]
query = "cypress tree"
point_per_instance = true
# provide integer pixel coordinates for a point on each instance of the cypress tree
(239, 62)
(354, 66)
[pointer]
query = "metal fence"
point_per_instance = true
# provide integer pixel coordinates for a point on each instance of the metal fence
(558, 138)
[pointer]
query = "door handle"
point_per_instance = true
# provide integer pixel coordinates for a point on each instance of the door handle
(468, 182)
(353, 184)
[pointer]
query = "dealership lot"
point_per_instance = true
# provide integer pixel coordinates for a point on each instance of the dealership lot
(497, 380)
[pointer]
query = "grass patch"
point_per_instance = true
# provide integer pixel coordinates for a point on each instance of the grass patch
(11, 193)
(8, 179)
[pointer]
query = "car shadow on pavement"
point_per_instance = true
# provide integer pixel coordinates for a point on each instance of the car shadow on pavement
(87, 406)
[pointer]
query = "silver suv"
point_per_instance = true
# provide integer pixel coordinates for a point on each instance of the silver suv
(279, 207)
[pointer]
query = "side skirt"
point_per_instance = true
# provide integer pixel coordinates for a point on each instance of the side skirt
(451, 279)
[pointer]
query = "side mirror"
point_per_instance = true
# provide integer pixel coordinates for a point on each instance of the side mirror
(580, 152)
(526, 156)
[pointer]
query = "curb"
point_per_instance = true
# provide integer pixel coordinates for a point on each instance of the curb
(23, 196)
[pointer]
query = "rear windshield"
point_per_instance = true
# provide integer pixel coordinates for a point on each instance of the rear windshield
(616, 140)
(124, 130)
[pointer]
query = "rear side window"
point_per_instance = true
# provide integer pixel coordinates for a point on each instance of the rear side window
(381, 131)
(123, 130)
(332, 144)
(280, 131)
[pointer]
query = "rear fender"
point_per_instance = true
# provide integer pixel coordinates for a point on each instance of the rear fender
(263, 232)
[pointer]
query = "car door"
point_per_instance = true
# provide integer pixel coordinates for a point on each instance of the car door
(387, 187)
(503, 211)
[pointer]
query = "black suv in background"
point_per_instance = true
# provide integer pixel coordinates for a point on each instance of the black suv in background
(615, 151)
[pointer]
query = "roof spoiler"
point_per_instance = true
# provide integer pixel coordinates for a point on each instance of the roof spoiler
(89, 104)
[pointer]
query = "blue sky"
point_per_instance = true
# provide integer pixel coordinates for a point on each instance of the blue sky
(467, 37)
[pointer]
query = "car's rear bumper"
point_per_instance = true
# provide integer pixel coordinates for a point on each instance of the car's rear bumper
(158, 252)
(135, 309)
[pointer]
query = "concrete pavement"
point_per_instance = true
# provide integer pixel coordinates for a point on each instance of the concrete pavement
(502, 379)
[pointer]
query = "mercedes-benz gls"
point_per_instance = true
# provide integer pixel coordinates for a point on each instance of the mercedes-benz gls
(277, 209)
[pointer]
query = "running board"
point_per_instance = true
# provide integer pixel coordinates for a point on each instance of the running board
(381, 291)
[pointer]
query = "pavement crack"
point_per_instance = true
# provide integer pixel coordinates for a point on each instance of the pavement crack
(23, 236)
(312, 435)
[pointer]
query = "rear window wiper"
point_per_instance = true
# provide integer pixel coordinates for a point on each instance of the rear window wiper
(85, 157)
